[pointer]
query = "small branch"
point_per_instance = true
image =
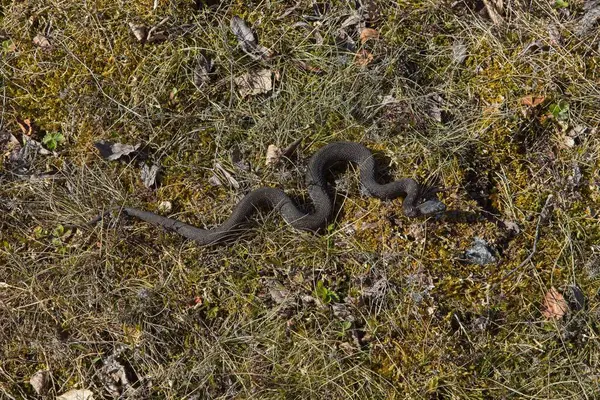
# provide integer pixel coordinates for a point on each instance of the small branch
(543, 216)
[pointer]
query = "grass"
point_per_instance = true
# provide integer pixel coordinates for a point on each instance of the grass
(189, 322)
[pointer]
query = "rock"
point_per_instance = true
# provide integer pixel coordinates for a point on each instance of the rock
(480, 253)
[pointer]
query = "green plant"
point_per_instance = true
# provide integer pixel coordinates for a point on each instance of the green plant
(559, 110)
(324, 294)
(561, 4)
(53, 139)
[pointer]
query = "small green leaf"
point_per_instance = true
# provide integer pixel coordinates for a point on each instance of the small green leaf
(561, 4)
(58, 231)
(53, 139)
(559, 110)
(324, 294)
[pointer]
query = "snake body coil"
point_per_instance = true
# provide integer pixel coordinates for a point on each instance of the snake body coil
(319, 191)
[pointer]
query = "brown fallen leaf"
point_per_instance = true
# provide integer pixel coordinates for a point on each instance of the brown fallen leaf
(363, 58)
(25, 125)
(367, 34)
(532, 101)
(254, 83)
(555, 305)
(42, 42)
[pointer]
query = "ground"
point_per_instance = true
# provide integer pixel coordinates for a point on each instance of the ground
(497, 102)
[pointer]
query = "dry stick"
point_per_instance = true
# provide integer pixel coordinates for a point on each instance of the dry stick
(543, 215)
(155, 27)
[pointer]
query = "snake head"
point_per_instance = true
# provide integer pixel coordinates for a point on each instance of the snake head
(431, 207)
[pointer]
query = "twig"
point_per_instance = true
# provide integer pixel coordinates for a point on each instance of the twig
(155, 27)
(543, 216)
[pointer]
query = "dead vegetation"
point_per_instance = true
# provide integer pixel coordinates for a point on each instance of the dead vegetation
(498, 101)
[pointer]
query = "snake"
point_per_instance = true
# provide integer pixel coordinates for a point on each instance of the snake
(418, 199)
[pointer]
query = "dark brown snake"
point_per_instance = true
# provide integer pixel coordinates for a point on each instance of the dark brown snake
(418, 200)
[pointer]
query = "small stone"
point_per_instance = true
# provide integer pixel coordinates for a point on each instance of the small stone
(512, 226)
(40, 382)
(165, 206)
(480, 253)
(569, 141)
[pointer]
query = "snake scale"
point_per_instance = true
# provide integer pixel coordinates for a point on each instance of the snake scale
(418, 200)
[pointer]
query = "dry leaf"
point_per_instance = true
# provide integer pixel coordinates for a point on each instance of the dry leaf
(435, 109)
(42, 42)
(165, 207)
(40, 382)
(149, 175)
(274, 154)
(8, 144)
(569, 142)
(555, 305)
(367, 34)
(25, 126)
(232, 181)
(203, 70)
(77, 394)
(247, 40)
(312, 30)
(243, 33)
(114, 151)
(345, 41)
(253, 83)
(278, 292)
(532, 101)
(262, 52)
(309, 68)
(363, 58)
(139, 31)
(352, 20)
